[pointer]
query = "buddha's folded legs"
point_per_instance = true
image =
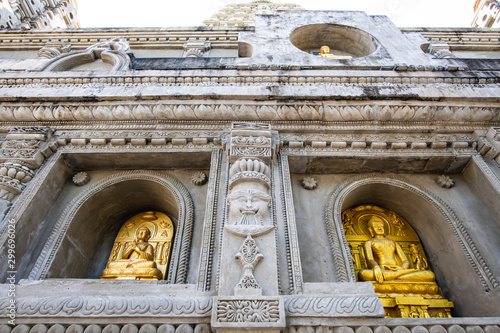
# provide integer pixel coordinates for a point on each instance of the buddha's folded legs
(412, 275)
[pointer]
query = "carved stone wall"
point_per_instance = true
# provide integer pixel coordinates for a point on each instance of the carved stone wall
(253, 157)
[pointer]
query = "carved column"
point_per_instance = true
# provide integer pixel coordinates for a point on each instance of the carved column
(21, 155)
(483, 173)
(248, 288)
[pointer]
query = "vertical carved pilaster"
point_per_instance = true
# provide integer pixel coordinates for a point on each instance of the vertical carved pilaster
(293, 254)
(207, 250)
(249, 236)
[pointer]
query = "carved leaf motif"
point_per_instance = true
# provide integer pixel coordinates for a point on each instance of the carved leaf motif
(308, 112)
(23, 113)
(63, 113)
(268, 113)
(6, 113)
(163, 111)
(287, 112)
(482, 114)
(332, 113)
(123, 113)
(142, 112)
(83, 113)
(43, 113)
(102, 113)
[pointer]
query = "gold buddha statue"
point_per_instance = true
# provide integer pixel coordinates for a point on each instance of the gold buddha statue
(324, 52)
(387, 251)
(386, 260)
(138, 258)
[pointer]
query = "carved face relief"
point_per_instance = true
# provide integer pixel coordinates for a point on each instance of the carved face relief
(248, 206)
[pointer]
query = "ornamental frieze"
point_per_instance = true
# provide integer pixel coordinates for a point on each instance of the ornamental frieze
(321, 111)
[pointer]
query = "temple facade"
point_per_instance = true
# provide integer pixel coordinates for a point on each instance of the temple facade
(310, 171)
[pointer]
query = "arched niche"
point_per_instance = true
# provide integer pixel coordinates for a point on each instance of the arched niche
(82, 239)
(460, 270)
(342, 40)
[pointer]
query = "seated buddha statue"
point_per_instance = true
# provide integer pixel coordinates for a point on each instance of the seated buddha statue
(137, 260)
(386, 260)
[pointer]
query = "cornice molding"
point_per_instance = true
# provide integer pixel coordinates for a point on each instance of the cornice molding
(460, 39)
(248, 74)
(138, 38)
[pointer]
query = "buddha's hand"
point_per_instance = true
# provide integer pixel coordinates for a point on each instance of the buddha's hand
(392, 267)
(377, 273)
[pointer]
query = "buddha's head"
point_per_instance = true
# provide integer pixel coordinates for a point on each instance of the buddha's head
(324, 50)
(143, 234)
(376, 226)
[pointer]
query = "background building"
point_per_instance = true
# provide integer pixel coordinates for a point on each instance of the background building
(38, 14)
(230, 178)
(486, 14)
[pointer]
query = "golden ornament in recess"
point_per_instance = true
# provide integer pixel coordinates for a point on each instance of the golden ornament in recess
(141, 250)
(324, 52)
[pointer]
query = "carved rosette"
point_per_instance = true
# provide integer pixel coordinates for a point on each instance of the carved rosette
(81, 178)
(309, 183)
(199, 178)
(445, 181)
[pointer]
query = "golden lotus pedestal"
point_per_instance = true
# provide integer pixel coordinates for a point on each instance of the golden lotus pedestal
(132, 274)
(412, 300)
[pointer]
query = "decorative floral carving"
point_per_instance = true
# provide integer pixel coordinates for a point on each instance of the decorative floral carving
(248, 311)
(250, 140)
(445, 181)
(248, 256)
(248, 282)
(81, 178)
(309, 183)
(251, 151)
(199, 178)
(249, 253)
